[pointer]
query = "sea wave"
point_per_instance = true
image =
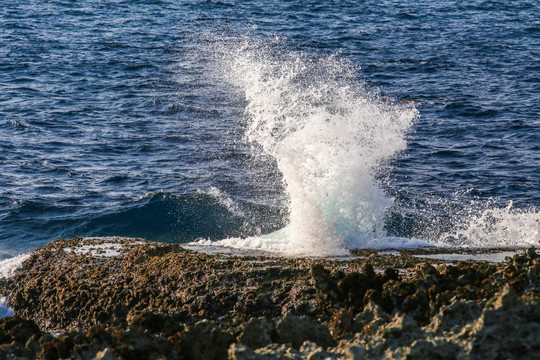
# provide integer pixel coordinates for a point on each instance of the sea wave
(158, 216)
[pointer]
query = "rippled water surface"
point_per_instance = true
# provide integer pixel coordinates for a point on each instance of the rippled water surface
(137, 118)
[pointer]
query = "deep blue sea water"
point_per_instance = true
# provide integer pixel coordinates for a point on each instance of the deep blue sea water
(180, 120)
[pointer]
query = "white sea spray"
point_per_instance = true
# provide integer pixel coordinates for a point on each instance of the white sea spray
(327, 133)
(7, 270)
(489, 225)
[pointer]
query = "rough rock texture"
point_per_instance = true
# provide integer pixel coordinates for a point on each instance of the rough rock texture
(119, 298)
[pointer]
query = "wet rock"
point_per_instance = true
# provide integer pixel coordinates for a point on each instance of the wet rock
(153, 300)
(328, 294)
(65, 290)
(353, 290)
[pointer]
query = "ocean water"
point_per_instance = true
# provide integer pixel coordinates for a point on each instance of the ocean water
(299, 127)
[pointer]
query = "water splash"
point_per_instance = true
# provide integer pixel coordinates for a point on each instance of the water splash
(326, 132)
(493, 226)
(8, 267)
(462, 221)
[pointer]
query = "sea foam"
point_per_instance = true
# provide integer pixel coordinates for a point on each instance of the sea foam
(9, 266)
(489, 225)
(7, 270)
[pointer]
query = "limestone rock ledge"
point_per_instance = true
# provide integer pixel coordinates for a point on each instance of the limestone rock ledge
(123, 298)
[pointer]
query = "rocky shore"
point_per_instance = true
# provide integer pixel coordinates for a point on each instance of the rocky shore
(119, 298)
